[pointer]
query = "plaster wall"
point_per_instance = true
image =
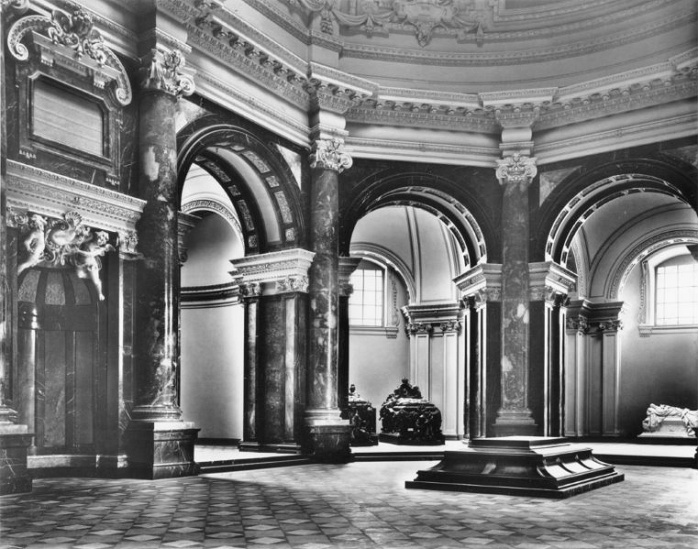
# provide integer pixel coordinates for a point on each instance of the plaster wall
(661, 368)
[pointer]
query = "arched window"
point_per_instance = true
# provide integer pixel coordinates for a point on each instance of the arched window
(367, 302)
(676, 292)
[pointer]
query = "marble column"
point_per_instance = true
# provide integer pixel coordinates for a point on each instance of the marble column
(481, 291)
(347, 265)
(328, 435)
(274, 287)
(515, 174)
(14, 436)
(549, 286)
(161, 444)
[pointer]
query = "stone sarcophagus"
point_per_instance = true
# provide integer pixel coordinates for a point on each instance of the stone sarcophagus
(408, 418)
(362, 416)
(665, 421)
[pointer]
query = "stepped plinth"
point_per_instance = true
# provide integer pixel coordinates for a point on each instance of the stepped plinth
(516, 465)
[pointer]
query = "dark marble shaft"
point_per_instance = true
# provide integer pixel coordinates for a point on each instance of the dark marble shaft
(158, 280)
(324, 290)
(515, 314)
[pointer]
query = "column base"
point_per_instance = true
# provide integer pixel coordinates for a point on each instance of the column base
(527, 466)
(161, 449)
(14, 474)
(515, 423)
(329, 436)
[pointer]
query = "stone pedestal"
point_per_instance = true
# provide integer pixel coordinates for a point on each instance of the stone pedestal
(162, 449)
(518, 465)
(14, 476)
(329, 437)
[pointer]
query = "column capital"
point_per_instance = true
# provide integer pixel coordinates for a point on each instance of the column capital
(273, 273)
(163, 70)
(516, 169)
(480, 284)
(329, 154)
(598, 317)
(550, 282)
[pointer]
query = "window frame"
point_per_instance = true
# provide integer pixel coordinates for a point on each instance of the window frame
(648, 295)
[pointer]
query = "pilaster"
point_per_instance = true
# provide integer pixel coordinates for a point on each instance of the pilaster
(481, 292)
(15, 437)
(435, 331)
(549, 286)
(347, 265)
(593, 376)
(274, 287)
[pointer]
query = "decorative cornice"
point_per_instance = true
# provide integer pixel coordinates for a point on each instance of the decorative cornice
(336, 91)
(273, 273)
(594, 317)
(205, 297)
(164, 71)
(50, 194)
(329, 154)
(429, 319)
(72, 42)
(255, 64)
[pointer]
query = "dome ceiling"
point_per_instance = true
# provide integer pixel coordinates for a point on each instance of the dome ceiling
(484, 45)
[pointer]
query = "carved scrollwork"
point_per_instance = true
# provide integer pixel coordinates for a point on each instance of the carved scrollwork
(292, 284)
(516, 169)
(250, 289)
(577, 323)
(73, 37)
(60, 242)
(128, 242)
(329, 154)
(163, 70)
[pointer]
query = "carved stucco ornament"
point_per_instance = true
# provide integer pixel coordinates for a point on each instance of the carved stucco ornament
(424, 16)
(164, 71)
(517, 169)
(63, 39)
(60, 242)
(329, 154)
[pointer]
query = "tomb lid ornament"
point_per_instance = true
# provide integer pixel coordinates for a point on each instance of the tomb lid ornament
(663, 420)
(408, 418)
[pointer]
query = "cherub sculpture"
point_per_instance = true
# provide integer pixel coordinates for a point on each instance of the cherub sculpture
(34, 244)
(86, 259)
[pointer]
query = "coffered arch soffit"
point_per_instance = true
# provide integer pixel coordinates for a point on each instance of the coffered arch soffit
(579, 197)
(432, 194)
(256, 178)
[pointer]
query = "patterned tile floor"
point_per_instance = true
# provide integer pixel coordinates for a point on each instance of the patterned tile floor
(358, 505)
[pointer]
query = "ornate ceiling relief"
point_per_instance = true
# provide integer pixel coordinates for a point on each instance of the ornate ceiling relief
(72, 42)
(423, 17)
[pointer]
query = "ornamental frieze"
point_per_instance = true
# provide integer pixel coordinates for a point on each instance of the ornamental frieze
(274, 273)
(72, 41)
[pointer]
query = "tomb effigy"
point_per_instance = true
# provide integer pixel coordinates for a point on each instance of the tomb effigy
(408, 418)
(362, 417)
(664, 421)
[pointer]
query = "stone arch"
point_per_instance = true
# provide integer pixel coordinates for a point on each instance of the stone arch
(254, 174)
(647, 246)
(426, 191)
(577, 197)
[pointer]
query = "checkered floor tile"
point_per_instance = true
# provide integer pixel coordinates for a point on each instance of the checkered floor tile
(353, 506)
